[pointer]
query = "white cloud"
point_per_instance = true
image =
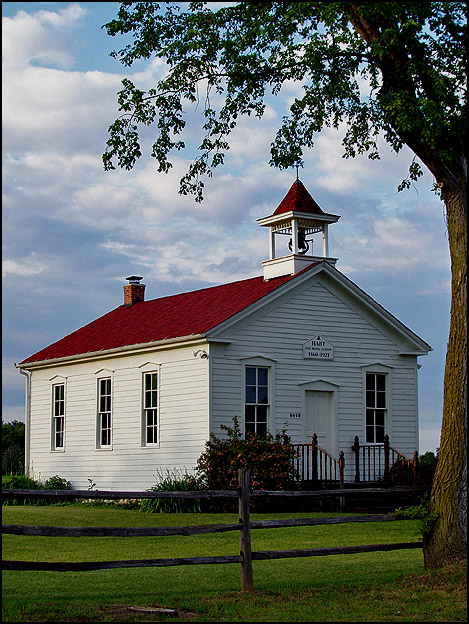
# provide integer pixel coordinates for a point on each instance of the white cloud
(27, 266)
(334, 172)
(153, 71)
(222, 205)
(40, 37)
(252, 137)
(396, 243)
(53, 109)
(50, 172)
(50, 107)
(198, 253)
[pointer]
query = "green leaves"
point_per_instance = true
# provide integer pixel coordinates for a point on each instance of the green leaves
(415, 172)
(269, 458)
(172, 481)
(396, 69)
(427, 519)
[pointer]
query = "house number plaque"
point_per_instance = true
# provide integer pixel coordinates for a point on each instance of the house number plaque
(318, 348)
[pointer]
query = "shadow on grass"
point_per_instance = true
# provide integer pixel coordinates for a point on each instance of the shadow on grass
(435, 596)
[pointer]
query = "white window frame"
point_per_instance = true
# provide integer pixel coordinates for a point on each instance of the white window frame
(260, 361)
(58, 416)
(150, 408)
(387, 371)
(258, 404)
(376, 407)
(101, 412)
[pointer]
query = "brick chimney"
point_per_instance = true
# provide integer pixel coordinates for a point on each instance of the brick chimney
(134, 292)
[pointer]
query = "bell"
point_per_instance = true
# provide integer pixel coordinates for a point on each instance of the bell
(303, 244)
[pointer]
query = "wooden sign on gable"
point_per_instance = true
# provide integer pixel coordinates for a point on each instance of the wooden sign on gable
(318, 348)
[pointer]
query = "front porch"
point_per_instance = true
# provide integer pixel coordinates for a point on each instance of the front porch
(374, 464)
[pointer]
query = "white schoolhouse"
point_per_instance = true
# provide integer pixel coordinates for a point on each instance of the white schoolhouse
(139, 390)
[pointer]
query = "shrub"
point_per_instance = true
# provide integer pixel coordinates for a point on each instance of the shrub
(422, 513)
(22, 482)
(402, 474)
(427, 467)
(268, 457)
(12, 447)
(57, 483)
(173, 482)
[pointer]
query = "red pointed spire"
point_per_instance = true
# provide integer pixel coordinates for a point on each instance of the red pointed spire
(298, 199)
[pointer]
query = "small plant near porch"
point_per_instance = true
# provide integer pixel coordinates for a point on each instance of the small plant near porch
(268, 457)
(421, 512)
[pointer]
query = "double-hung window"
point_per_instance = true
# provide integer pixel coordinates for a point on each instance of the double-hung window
(58, 417)
(104, 413)
(256, 399)
(376, 407)
(150, 408)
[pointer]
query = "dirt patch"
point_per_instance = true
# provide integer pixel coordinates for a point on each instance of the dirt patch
(452, 576)
(148, 613)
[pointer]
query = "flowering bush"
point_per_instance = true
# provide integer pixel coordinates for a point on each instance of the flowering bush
(268, 457)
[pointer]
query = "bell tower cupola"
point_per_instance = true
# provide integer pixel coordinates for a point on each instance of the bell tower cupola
(297, 217)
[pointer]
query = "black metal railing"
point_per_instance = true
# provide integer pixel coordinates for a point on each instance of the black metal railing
(382, 462)
(374, 463)
(317, 466)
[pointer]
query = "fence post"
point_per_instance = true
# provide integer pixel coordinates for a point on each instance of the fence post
(247, 582)
(356, 450)
(341, 470)
(314, 459)
(341, 479)
(415, 469)
(386, 457)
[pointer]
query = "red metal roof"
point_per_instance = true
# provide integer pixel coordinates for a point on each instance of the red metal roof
(298, 199)
(176, 316)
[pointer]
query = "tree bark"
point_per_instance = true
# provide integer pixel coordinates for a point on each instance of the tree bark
(448, 541)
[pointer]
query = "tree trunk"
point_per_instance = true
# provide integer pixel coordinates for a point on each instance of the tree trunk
(448, 540)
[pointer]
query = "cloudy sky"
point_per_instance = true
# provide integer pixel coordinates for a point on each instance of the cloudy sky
(72, 232)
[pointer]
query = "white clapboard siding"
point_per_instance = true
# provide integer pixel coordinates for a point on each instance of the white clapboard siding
(183, 427)
(278, 332)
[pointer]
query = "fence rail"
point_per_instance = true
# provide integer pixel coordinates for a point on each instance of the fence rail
(244, 527)
(54, 531)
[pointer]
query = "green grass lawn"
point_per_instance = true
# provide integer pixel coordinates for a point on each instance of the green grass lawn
(389, 586)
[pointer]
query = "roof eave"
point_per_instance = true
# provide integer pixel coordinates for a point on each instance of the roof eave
(116, 351)
(325, 217)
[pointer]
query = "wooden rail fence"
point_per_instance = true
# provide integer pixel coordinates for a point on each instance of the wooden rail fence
(244, 526)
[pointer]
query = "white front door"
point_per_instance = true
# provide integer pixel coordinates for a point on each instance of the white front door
(319, 417)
